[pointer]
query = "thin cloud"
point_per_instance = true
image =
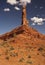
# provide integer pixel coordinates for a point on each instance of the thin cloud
(35, 6)
(16, 8)
(33, 23)
(24, 2)
(41, 7)
(12, 2)
(6, 9)
(37, 15)
(19, 2)
(38, 21)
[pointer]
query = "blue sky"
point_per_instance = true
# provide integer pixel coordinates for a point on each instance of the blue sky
(11, 18)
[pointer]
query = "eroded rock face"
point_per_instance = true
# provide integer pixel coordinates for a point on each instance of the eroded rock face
(24, 30)
(24, 16)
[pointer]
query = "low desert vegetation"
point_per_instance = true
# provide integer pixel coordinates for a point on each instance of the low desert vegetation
(14, 35)
(6, 52)
(40, 49)
(43, 54)
(26, 43)
(4, 44)
(13, 54)
(29, 62)
(12, 48)
(21, 60)
(29, 56)
(7, 57)
(0, 54)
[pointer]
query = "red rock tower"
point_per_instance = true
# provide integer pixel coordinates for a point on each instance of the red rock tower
(24, 16)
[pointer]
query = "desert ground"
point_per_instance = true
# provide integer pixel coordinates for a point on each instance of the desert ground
(22, 46)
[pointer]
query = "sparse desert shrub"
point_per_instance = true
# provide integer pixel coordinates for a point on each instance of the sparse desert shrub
(13, 54)
(21, 60)
(38, 64)
(7, 58)
(6, 52)
(7, 45)
(40, 49)
(43, 54)
(0, 54)
(14, 35)
(13, 41)
(29, 62)
(4, 44)
(11, 48)
(37, 53)
(29, 56)
(26, 43)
